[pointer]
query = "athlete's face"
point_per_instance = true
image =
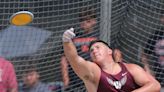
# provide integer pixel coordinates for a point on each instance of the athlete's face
(99, 52)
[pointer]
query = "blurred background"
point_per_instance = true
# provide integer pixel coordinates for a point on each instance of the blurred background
(124, 24)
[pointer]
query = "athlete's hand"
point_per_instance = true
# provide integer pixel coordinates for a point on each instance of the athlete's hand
(68, 35)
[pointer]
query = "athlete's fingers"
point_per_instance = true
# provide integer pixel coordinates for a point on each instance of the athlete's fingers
(68, 35)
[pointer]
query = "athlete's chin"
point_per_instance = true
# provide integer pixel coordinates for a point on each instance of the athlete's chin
(98, 60)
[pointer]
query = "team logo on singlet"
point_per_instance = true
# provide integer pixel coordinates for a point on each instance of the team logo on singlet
(117, 84)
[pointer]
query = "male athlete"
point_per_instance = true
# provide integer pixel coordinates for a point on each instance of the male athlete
(103, 74)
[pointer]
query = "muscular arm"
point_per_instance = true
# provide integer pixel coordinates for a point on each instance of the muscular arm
(81, 67)
(145, 80)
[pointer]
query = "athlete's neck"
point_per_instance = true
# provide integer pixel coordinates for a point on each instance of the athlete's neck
(109, 67)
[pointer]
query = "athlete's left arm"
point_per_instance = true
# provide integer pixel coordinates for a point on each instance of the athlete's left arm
(143, 79)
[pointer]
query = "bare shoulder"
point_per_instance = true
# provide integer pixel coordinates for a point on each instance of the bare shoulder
(95, 70)
(92, 78)
(133, 67)
(138, 73)
(94, 66)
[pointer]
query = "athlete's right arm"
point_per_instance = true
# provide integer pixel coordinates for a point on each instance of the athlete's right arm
(81, 67)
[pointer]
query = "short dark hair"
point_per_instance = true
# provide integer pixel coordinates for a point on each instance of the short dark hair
(105, 43)
(87, 13)
(101, 41)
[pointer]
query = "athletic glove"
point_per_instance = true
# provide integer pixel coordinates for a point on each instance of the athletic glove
(68, 35)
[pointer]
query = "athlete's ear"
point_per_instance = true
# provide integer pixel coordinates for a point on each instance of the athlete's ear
(110, 51)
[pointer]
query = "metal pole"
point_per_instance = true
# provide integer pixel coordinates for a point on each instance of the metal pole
(105, 24)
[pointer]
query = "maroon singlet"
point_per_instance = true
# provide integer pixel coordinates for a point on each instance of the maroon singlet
(121, 82)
